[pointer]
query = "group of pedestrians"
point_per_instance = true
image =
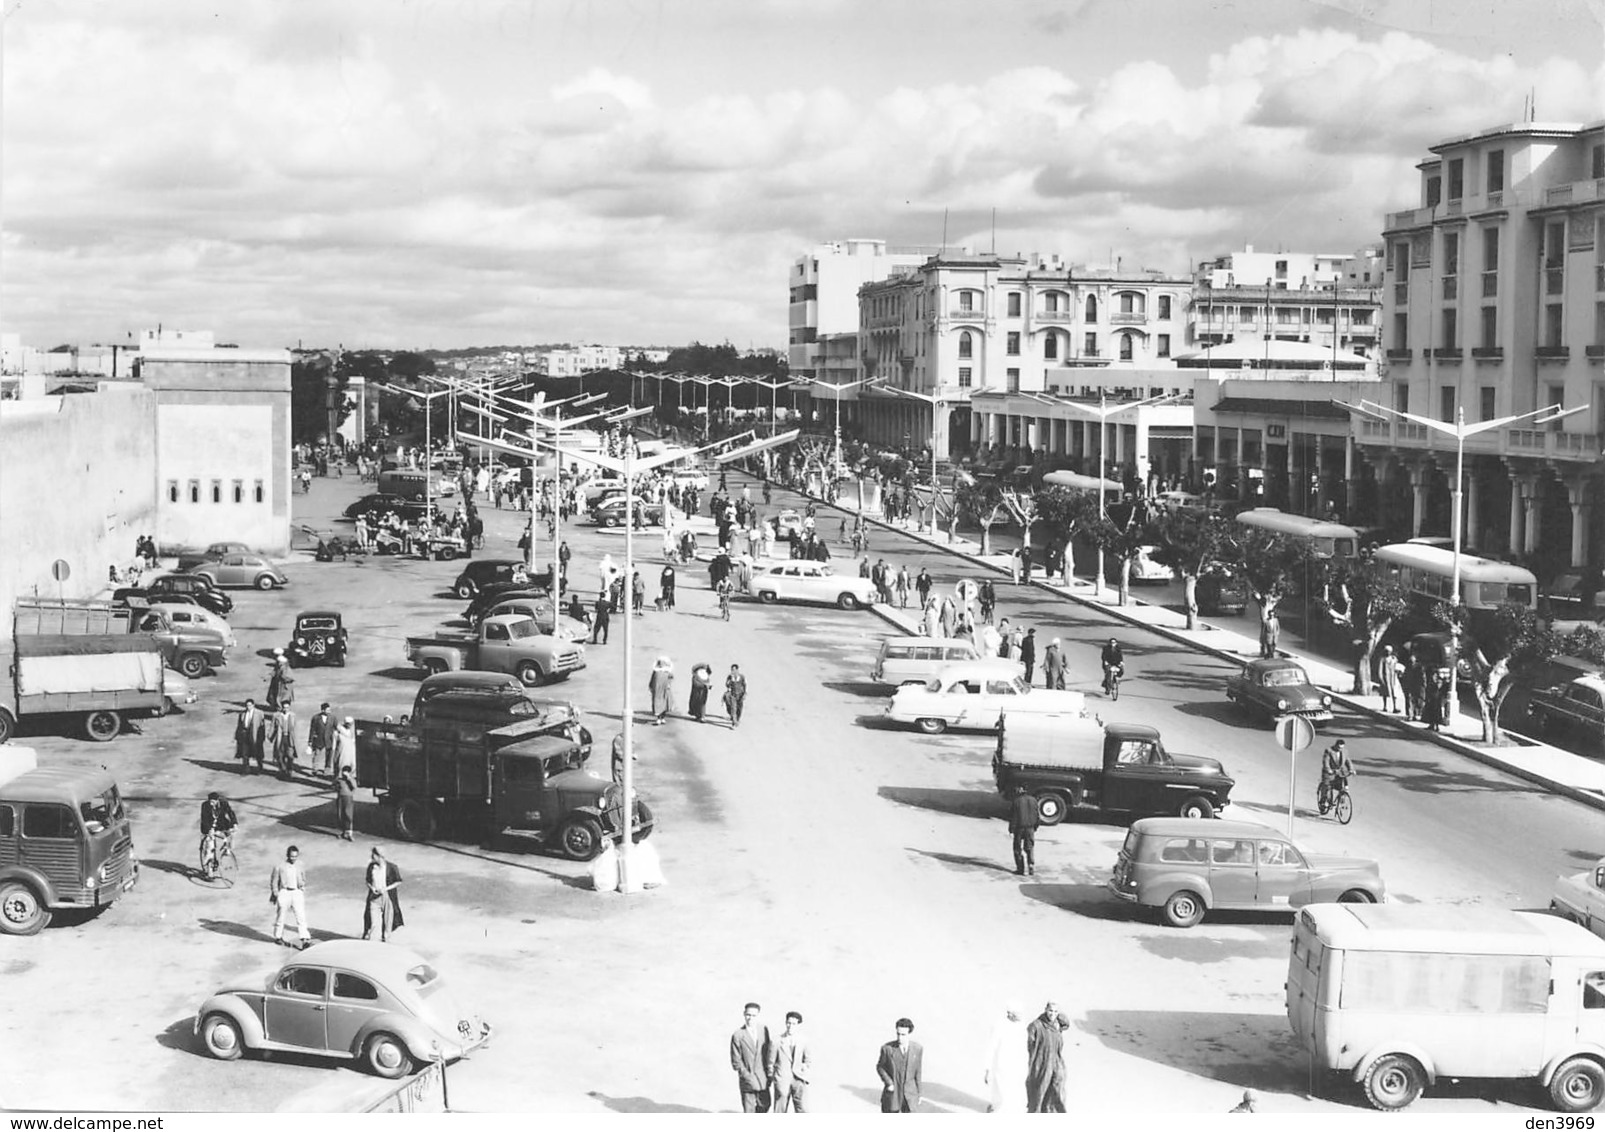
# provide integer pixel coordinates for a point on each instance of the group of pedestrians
(288, 887)
(1414, 688)
(660, 686)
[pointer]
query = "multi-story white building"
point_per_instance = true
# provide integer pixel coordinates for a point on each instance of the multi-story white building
(578, 360)
(1331, 300)
(1495, 306)
(823, 294)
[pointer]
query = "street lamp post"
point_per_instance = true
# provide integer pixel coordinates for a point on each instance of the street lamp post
(1459, 430)
(838, 387)
(429, 444)
(934, 400)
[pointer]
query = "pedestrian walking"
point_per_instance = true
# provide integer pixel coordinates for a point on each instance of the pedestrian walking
(932, 620)
(789, 1069)
(618, 757)
(1014, 566)
(345, 801)
(1053, 665)
(1044, 1046)
(1006, 1063)
(320, 734)
(600, 614)
(287, 889)
(1413, 682)
(751, 1052)
(899, 1067)
(947, 617)
(638, 592)
(661, 685)
(249, 732)
(1059, 1090)
(1028, 653)
(902, 585)
(282, 726)
(922, 585)
(1006, 642)
(1392, 689)
(1023, 821)
(1270, 632)
(735, 695)
(666, 588)
(1026, 565)
(281, 682)
(345, 746)
(701, 685)
(377, 905)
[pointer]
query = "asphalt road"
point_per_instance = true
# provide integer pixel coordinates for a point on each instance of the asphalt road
(816, 860)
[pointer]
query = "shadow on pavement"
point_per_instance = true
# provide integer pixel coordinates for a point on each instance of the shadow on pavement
(237, 930)
(1090, 900)
(866, 688)
(180, 1035)
(962, 803)
(1245, 1051)
(400, 673)
(934, 1096)
(166, 867)
(987, 863)
(1428, 778)
(641, 1104)
(1219, 711)
(1175, 677)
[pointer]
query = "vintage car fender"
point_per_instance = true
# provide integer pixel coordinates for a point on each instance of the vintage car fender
(250, 1026)
(420, 1040)
(48, 896)
(1409, 1049)
(1582, 1049)
(1157, 893)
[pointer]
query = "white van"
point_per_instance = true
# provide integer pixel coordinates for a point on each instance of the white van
(1398, 995)
(915, 660)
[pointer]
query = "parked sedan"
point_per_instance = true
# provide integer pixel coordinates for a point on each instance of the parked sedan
(1187, 866)
(211, 554)
(380, 502)
(787, 523)
(184, 616)
(194, 586)
(375, 1003)
(242, 570)
(811, 581)
(1278, 687)
(1145, 569)
(1581, 898)
(975, 696)
(610, 513)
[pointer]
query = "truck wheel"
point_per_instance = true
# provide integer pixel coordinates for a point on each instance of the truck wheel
(264, 581)
(221, 1037)
(465, 590)
(1394, 1081)
(1184, 909)
(581, 838)
(1052, 808)
(192, 664)
(644, 812)
(529, 673)
(7, 727)
(102, 726)
(1578, 1085)
(933, 726)
(1197, 807)
(435, 667)
(21, 911)
(847, 601)
(447, 553)
(387, 1057)
(414, 820)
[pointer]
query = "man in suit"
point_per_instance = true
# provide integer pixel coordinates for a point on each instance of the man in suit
(287, 888)
(248, 735)
(750, 1056)
(788, 1066)
(1053, 665)
(319, 738)
(900, 1064)
(1023, 821)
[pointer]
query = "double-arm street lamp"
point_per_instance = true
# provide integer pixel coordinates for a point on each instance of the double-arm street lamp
(1459, 429)
(934, 400)
(429, 445)
(837, 388)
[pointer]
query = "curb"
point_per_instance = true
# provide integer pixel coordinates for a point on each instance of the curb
(1477, 754)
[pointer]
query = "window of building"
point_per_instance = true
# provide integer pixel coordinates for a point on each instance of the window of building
(966, 345)
(194, 491)
(1490, 328)
(1012, 344)
(1014, 380)
(1490, 262)
(1014, 304)
(1496, 170)
(1164, 306)
(260, 496)
(1125, 347)
(1451, 328)
(1089, 346)
(1488, 398)
(1050, 347)
(1457, 178)
(172, 491)
(966, 374)
(1092, 308)
(1399, 257)
(1553, 324)
(217, 491)
(239, 491)
(1451, 253)
(1401, 331)
(1434, 191)
(1446, 403)
(1401, 396)
(1557, 396)
(1133, 302)
(1246, 314)
(1360, 317)
(966, 300)
(1599, 324)
(1163, 349)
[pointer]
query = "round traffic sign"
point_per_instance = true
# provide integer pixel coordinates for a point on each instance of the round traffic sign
(1294, 733)
(60, 570)
(967, 591)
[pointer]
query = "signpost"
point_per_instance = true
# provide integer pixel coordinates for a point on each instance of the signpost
(1293, 734)
(61, 571)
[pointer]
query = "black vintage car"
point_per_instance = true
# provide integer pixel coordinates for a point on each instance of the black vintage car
(320, 638)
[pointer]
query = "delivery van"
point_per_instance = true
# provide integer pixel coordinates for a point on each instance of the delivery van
(916, 660)
(1396, 996)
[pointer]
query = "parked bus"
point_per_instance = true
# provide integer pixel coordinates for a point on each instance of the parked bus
(1331, 540)
(1428, 572)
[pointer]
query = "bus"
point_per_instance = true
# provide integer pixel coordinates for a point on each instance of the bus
(1330, 540)
(1485, 585)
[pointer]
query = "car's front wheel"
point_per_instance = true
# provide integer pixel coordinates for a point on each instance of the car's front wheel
(465, 590)
(1051, 808)
(192, 664)
(581, 838)
(529, 674)
(847, 601)
(386, 1056)
(768, 597)
(1578, 1085)
(102, 726)
(221, 1037)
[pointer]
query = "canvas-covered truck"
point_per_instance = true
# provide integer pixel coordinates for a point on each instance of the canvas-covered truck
(65, 841)
(515, 781)
(1072, 762)
(505, 643)
(90, 680)
(189, 648)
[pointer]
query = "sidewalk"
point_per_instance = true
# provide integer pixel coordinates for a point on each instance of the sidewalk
(1556, 770)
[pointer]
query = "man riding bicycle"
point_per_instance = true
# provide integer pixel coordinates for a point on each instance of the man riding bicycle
(1336, 770)
(1114, 663)
(217, 828)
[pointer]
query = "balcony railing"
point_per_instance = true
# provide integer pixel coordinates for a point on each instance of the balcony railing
(1595, 352)
(1448, 353)
(1575, 193)
(1555, 353)
(1055, 316)
(1128, 318)
(1409, 218)
(966, 312)
(1490, 284)
(1561, 445)
(1400, 353)
(1488, 353)
(1527, 439)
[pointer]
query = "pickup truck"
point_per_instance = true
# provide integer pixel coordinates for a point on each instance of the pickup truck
(501, 644)
(192, 649)
(1070, 762)
(1577, 707)
(514, 781)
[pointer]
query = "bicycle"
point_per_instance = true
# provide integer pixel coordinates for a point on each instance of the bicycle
(217, 854)
(1111, 680)
(1334, 798)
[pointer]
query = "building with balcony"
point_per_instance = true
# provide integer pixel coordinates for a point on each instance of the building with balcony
(823, 293)
(1331, 300)
(1494, 305)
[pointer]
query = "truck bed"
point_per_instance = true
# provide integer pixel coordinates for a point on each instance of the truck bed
(68, 673)
(36, 616)
(1063, 742)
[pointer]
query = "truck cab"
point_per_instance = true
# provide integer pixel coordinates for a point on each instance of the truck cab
(65, 842)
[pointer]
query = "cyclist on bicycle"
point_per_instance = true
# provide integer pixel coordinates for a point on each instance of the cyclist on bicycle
(1336, 770)
(1114, 663)
(217, 820)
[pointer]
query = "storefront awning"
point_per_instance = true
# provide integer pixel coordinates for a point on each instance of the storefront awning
(1274, 407)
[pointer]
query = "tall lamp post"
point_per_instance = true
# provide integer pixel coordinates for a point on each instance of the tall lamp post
(934, 400)
(838, 387)
(429, 442)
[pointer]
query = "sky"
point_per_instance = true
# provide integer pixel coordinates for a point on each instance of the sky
(442, 174)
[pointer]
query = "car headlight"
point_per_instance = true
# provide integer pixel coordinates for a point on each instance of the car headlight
(1281, 705)
(300, 642)
(1326, 701)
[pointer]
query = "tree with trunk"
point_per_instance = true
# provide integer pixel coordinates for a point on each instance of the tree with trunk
(1515, 649)
(1271, 563)
(981, 501)
(1367, 598)
(1191, 543)
(1022, 508)
(1066, 512)
(1123, 532)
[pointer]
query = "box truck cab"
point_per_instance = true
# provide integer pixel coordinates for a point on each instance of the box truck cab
(1397, 995)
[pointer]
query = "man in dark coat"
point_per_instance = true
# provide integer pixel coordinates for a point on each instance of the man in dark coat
(601, 613)
(248, 735)
(1053, 665)
(1028, 653)
(1023, 822)
(900, 1065)
(1044, 1044)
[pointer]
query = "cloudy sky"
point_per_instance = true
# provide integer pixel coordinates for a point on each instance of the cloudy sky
(417, 173)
